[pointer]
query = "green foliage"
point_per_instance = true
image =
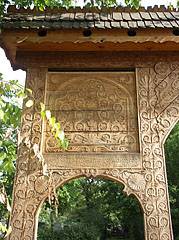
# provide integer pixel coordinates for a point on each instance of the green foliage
(172, 163)
(42, 4)
(55, 126)
(89, 208)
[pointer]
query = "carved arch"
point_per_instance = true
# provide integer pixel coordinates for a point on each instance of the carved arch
(113, 175)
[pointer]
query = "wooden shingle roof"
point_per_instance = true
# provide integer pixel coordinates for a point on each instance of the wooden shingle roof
(92, 19)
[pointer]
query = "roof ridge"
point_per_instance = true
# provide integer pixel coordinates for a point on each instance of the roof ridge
(162, 8)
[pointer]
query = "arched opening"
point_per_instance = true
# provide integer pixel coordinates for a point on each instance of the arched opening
(172, 165)
(93, 209)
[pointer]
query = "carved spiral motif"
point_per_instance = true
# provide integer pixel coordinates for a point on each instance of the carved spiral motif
(41, 184)
(136, 182)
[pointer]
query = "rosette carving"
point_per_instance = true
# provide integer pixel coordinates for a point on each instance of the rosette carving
(136, 182)
(41, 184)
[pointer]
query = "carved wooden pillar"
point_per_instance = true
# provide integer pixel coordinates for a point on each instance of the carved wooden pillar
(25, 198)
(158, 111)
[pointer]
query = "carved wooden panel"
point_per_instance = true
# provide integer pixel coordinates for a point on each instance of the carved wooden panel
(97, 110)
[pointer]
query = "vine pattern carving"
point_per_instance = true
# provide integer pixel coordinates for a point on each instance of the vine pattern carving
(97, 111)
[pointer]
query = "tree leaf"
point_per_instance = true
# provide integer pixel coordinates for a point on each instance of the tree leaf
(43, 113)
(2, 156)
(7, 86)
(61, 135)
(1, 114)
(48, 114)
(57, 126)
(42, 106)
(29, 90)
(29, 103)
(52, 121)
(23, 95)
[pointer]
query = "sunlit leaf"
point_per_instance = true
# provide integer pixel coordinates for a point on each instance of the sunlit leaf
(42, 106)
(43, 113)
(29, 90)
(29, 103)
(7, 86)
(1, 114)
(61, 135)
(23, 95)
(52, 121)
(48, 114)
(57, 126)
(2, 156)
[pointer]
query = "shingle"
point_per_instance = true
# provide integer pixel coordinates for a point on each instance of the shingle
(84, 24)
(66, 24)
(8, 25)
(18, 24)
(55, 17)
(99, 24)
(117, 16)
(46, 25)
(7, 18)
(56, 25)
(175, 14)
(140, 24)
(109, 16)
(145, 15)
(29, 17)
(107, 24)
(161, 16)
(23, 17)
(104, 16)
(132, 24)
(166, 24)
(124, 24)
(154, 16)
(48, 17)
(39, 17)
(91, 24)
(177, 22)
(135, 16)
(149, 24)
(115, 25)
(96, 16)
(72, 16)
(35, 24)
(16, 16)
(126, 16)
(89, 16)
(76, 24)
(169, 15)
(80, 16)
(65, 16)
(174, 24)
(158, 24)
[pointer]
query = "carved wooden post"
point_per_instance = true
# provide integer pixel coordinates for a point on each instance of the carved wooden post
(158, 112)
(25, 198)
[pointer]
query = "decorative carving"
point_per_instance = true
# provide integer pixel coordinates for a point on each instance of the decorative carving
(141, 172)
(158, 96)
(96, 110)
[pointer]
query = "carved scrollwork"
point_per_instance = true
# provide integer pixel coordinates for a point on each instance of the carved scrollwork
(94, 111)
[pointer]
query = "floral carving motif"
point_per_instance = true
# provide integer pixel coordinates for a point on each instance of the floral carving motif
(137, 182)
(94, 110)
